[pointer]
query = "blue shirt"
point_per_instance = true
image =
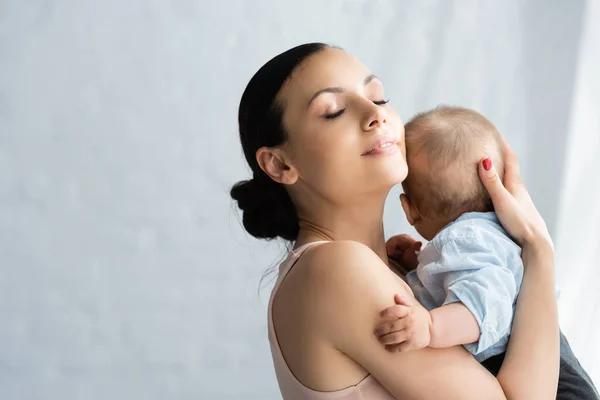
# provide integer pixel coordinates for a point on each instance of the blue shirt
(473, 260)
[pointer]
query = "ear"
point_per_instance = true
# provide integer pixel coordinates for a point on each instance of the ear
(272, 161)
(412, 214)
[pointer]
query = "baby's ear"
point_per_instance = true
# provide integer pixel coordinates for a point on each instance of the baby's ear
(411, 212)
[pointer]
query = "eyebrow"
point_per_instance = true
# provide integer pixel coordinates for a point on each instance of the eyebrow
(338, 89)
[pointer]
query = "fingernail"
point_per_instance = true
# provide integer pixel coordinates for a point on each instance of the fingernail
(487, 163)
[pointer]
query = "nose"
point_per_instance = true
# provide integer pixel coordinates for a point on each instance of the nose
(375, 117)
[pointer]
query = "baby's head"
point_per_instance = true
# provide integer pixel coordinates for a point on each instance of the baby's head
(443, 149)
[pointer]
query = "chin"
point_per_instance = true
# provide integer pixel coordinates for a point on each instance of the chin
(392, 177)
(397, 172)
(386, 173)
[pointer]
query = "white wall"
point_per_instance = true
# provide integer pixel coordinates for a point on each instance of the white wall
(124, 270)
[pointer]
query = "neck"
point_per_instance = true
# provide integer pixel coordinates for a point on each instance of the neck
(360, 221)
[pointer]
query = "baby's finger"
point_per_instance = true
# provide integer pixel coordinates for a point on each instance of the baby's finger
(392, 348)
(399, 243)
(395, 312)
(402, 300)
(405, 346)
(388, 327)
(394, 337)
(411, 256)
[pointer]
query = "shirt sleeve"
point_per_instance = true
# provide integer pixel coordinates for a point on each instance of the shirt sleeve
(472, 272)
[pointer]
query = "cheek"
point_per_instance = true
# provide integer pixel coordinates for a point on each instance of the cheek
(395, 118)
(330, 162)
(331, 145)
(328, 159)
(397, 123)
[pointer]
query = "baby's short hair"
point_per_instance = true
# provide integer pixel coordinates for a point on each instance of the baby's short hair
(443, 149)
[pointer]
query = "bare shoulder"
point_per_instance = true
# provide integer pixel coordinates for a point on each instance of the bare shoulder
(344, 259)
(320, 303)
(344, 277)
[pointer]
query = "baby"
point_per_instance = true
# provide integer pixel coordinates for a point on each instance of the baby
(469, 274)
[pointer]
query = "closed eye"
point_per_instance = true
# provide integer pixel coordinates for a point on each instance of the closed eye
(381, 102)
(335, 115)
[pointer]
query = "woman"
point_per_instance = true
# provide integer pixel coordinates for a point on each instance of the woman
(325, 148)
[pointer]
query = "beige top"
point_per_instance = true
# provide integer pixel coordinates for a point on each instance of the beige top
(291, 388)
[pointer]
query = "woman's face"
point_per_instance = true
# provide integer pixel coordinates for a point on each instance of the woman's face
(343, 140)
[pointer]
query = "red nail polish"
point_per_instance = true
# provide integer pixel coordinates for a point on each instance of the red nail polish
(487, 163)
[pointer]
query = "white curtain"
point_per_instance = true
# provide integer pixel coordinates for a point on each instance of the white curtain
(577, 236)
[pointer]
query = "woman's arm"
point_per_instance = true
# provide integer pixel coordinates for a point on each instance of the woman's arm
(350, 284)
(530, 369)
(531, 366)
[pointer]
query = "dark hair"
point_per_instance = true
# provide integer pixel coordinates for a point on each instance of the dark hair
(268, 210)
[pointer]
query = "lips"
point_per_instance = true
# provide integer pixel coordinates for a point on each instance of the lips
(381, 145)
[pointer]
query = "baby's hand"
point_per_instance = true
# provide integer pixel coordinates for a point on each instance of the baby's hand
(405, 326)
(403, 249)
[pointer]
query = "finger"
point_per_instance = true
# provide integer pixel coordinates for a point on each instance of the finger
(399, 242)
(409, 258)
(390, 327)
(405, 346)
(510, 158)
(394, 337)
(402, 239)
(395, 312)
(395, 252)
(411, 255)
(512, 174)
(402, 300)
(501, 197)
(392, 348)
(396, 249)
(491, 180)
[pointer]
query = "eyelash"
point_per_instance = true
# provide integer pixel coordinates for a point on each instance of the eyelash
(337, 114)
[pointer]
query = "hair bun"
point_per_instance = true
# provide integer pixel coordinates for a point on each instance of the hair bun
(268, 211)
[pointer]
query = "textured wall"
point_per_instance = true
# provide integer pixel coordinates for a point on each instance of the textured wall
(124, 272)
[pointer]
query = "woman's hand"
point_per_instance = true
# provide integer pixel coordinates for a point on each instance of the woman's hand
(512, 202)
(528, 371)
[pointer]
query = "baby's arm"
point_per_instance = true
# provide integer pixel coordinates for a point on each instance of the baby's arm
(452, 325)
(409, 326)
(477, 312)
